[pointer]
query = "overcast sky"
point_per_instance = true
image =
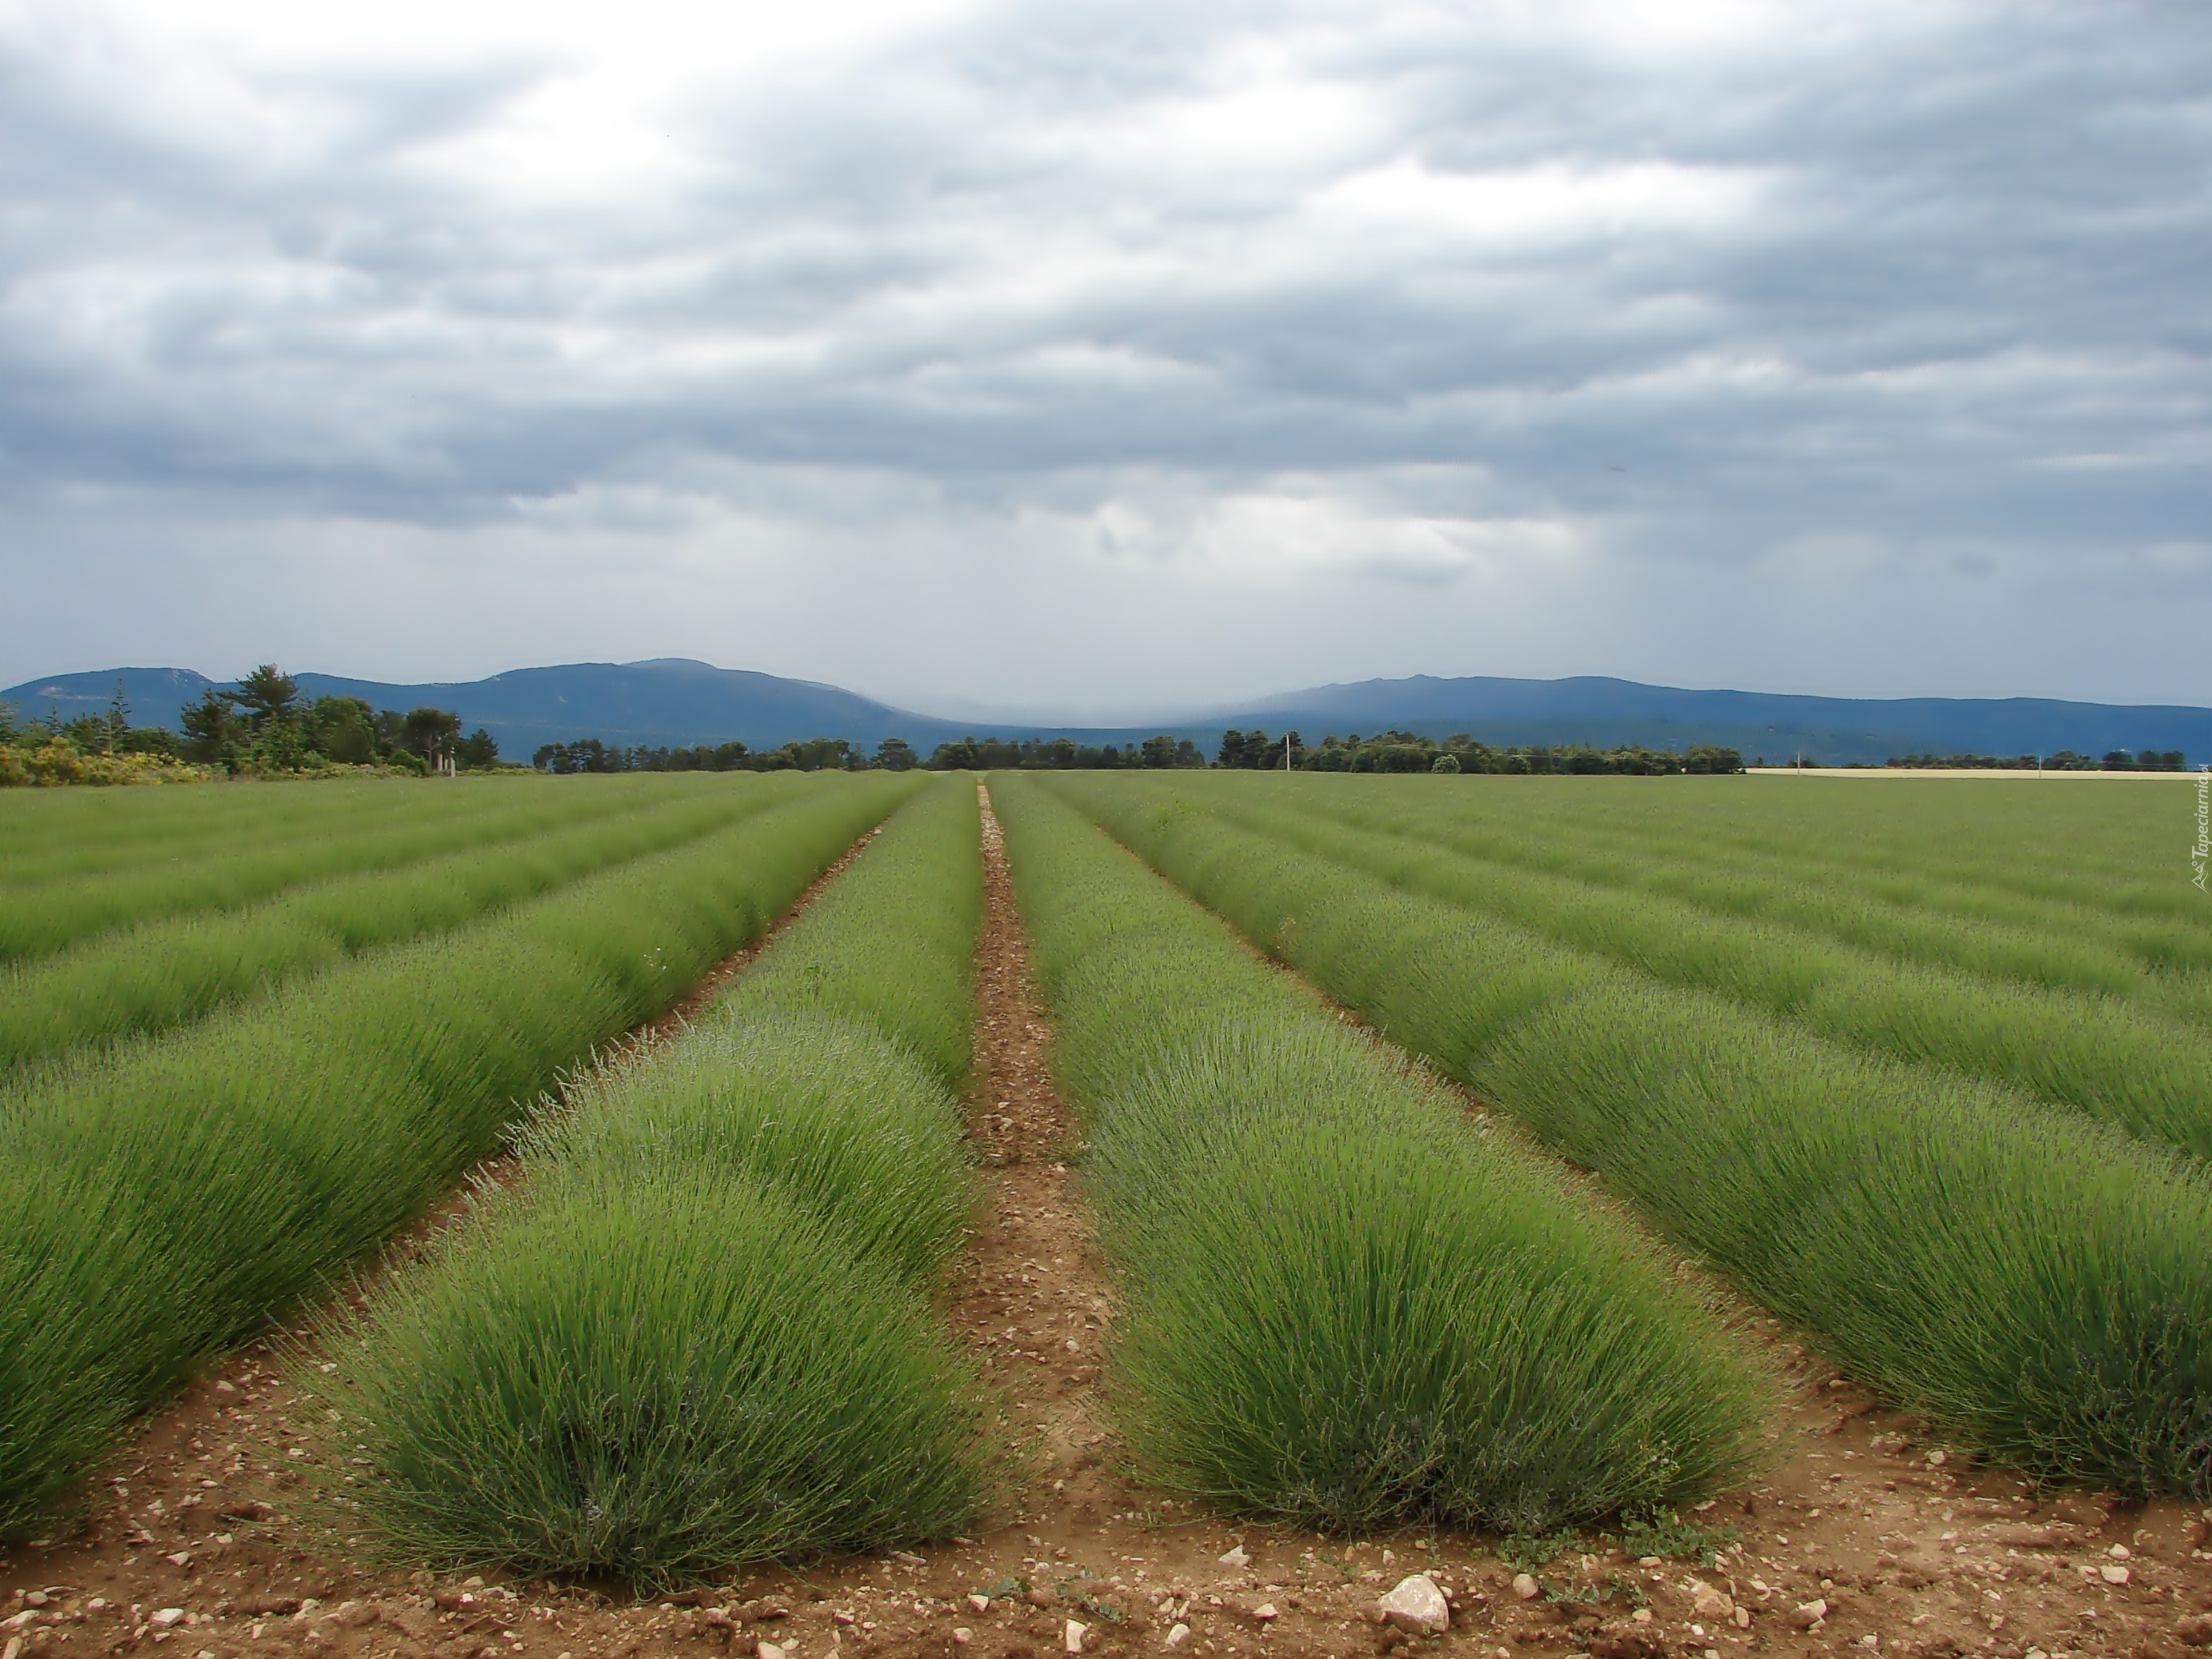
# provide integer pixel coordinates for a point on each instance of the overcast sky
(1102, 358)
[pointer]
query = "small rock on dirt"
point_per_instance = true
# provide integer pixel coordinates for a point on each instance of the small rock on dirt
(1417, 1605)
(263, 1607)
(1237, 1557)
(1525, 1586)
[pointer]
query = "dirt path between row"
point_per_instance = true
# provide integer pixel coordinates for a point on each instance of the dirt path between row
(1902, 1545)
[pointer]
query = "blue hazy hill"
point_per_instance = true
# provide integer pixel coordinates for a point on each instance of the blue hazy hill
(154, 695)
(667, 702)
(1605, 712)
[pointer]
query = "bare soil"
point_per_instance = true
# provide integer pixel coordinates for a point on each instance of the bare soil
(1865, 1535)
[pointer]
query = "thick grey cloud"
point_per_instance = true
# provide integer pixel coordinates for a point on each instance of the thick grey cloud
(1110, 355)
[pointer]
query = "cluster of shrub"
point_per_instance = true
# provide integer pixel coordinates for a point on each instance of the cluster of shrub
(90, 749)
(1254, 751)
(37, 757)
(1157, 753)
(1409, 751)
(265, 727)
(810, 755)
(2118, 760)
(1386, 751)
(892, 755)
(1389, 751)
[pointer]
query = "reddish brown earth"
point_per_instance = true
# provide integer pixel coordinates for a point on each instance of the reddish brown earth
(1909, 1547)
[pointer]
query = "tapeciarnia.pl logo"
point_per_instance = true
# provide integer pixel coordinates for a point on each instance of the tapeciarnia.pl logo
(2200, 855)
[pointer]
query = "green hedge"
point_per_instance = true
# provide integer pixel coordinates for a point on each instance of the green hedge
(2033, 1281)
(1339, 1304)
(70, 891)
(1897, 909)
(183, 1193)
(2118, 1062)
(696, 1333)
(173, 971)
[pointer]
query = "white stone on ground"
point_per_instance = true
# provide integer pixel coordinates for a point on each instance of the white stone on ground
(1417, 1605)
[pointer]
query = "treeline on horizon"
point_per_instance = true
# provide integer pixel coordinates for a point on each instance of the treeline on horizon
(1254, 751)
(263, 728)
(1386, 751)
(2117, 760)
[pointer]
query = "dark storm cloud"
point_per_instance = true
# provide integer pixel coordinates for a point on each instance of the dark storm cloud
(1925, 269)
(1954, 218)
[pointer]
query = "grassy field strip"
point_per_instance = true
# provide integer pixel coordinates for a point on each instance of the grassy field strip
(251, 863)
(167, 973)
(696, 1333)
(1341, 1304)
(47, 916)
(161, 1205)
(38, 851)
(2020, 831)
(2142, 1068)
(154, 826)
(2093, 859)
(52, 833)
(2029, 1279)
(2146, 1072)
(2081, 854)
(2046, 941)
(1910, 867)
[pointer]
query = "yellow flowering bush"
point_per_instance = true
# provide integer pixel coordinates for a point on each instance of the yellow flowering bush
(58, 761)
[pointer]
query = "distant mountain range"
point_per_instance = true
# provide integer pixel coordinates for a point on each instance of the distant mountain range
(665, 701)
(1604, 712)
(673, 700)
